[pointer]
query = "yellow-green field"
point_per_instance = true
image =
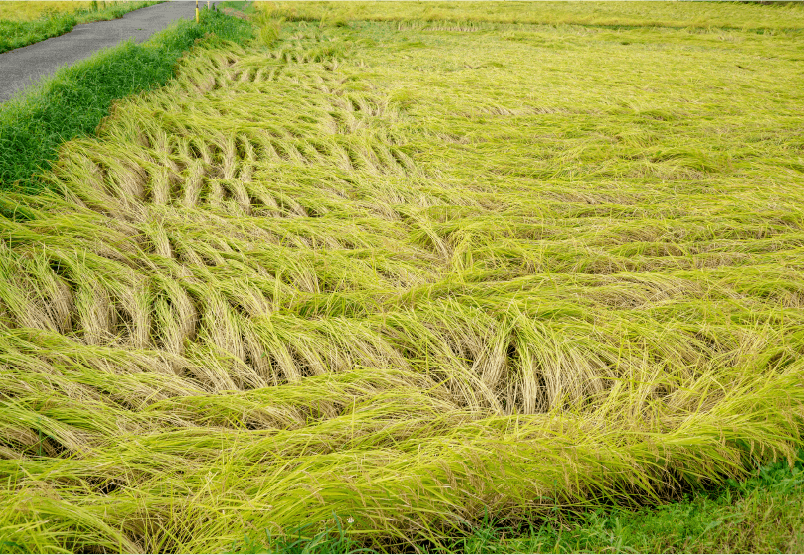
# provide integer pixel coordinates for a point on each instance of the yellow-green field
(784, 16)
(399, 272)
(14, 10)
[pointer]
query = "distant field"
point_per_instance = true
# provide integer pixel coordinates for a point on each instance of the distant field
(27, 11)
(775, 17)
(384, 275)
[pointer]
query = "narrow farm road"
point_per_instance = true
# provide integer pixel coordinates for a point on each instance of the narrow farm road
(23, 67)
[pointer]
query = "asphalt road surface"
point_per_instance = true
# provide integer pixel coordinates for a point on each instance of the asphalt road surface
(23, 67)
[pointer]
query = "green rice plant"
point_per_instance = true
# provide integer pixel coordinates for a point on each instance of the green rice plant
(28, 11)
(756, 515)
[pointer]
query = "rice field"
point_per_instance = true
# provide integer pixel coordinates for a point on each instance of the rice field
(395, 274)
(28, 10)
(783, 16)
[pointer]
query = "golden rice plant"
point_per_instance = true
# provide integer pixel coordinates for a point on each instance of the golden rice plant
(398, 277)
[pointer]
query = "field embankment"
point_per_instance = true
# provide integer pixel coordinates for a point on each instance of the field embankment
(395, 276)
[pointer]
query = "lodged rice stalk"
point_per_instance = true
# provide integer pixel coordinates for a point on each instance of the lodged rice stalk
(397, 279)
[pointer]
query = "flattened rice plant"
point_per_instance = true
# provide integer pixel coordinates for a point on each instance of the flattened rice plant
(398, 276)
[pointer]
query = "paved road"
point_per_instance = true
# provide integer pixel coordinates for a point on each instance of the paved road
(25, 66)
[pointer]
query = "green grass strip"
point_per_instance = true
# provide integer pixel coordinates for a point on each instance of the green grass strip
(74, 101)
(16, 34)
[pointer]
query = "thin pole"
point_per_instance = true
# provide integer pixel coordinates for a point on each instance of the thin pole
(197, 18)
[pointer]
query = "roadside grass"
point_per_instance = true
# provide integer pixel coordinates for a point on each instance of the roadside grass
(383, 283)
(330, 540)
(16, 34)
(24, 23)
(76, 99)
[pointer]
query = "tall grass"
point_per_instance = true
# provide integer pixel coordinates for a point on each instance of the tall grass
(394, 279)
